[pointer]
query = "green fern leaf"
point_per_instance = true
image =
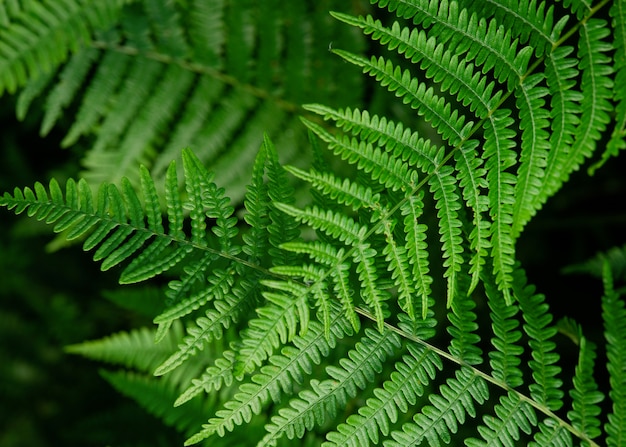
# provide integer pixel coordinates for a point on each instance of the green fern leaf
(499, 155)
(551, 433)
(153, 62)
(596, 88)
(465, 33)
(333, 258)
(530, 20)
(417, 248)
(281, 373)
(449, 123)
(453, 74)
(135, 349)
(346, 229)
(534, 149)
(215, 377)
(565, 113)
(472, 182)
(436, 422)
(547, 387)
(447, 201)
(500, 112)
(206, 328)
(398, 394)
(324, 398)
(386, 170)
(41, 35)
(585, 394)
(464, 343)
(618, 136)
(506, 358)
(614, 315)
(512, 416)
(277, 323)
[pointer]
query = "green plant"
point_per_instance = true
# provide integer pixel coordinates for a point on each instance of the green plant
(388, 273)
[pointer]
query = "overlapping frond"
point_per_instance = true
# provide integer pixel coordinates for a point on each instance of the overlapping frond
(546, 388)
(585, 394)
(614, 316)
(135, 349)
(512, 417)
(38, 36)
(326, 398)
(405, 385)
(438, 421)
(618, 136)
(148, 77)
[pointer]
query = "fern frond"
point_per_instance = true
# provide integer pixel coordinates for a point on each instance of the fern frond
(547, 387)
(565, 112)
(499, 157)
(585, 394)
(597, 90)
(487, 43)
(531, 20)
(447, 202)
(121, 226)
(506, 358)
(462, 328)
(115, 72)
(42, 34)
(472, 183)
(276, 324)
(417, 248)
(552, 433)
(281, 373)
(357, 197)
(534, 149)
(454, 74)
(228, 307)
(614, 316)
(256, 203)
(499, 113)
(512, 416)
(344, 191)
(135, 349)
(324, 398)
(282, 227)
(117, 225)
(386, 170)
(398, 394)
(215, 377)
(449, 123)
(347, 230)
(436, 422)
(333, 258)
(618, 136)
(154, 61)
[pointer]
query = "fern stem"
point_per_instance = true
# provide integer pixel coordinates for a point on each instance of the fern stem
(580, 23)
(546, 411)
(195, 67)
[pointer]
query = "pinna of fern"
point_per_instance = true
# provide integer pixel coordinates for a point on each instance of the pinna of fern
(145, 78)
(119, 226)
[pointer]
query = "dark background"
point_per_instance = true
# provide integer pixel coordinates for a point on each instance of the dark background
(49, 300)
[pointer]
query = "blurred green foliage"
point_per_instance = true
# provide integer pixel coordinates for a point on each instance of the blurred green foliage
(47, 397)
